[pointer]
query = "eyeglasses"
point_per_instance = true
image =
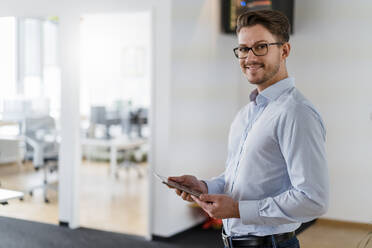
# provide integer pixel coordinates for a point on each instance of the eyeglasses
(260, 49)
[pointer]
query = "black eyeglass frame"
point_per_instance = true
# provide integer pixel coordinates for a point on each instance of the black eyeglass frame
(251, 48)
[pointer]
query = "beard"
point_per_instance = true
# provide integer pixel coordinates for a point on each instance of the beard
(267, 76)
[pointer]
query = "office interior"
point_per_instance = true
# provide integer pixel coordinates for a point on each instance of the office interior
(194, 88)
(114, 107)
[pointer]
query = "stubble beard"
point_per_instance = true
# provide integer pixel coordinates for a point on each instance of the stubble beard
(267, 76)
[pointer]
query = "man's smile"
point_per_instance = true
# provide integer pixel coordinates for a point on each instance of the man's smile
(254, 67)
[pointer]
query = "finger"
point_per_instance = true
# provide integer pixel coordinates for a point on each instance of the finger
(169, 186)
(208, 198)
(202, 204)
(189, 199)
(184, 195)
(177, 179)
(196, 199)
(178, 192)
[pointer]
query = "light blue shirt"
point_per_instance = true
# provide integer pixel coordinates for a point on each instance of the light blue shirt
(276, 166)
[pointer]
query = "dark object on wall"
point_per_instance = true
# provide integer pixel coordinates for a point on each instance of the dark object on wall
(231, 9)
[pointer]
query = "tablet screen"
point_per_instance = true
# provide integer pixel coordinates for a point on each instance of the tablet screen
(176, 185)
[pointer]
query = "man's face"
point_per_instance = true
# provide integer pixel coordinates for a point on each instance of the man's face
(260, 69)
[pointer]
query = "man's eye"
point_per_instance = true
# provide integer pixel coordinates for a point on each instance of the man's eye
(243, 49)
(260, 46)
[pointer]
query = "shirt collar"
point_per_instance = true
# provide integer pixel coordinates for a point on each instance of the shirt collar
(272, 92)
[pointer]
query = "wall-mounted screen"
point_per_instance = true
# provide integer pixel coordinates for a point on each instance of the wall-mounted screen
(231, 9)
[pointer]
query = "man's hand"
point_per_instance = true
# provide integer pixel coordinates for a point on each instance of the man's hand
(190, 182)
(218, 206)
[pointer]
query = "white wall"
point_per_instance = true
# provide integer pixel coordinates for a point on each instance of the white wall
(115, 59)
(203, 98)
(204, 87)
(331, 60)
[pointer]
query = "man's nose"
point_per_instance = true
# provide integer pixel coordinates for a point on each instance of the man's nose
(250, 55)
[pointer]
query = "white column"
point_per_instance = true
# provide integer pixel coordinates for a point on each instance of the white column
(70, 151)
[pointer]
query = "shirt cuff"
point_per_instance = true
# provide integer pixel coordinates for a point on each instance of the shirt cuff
(249, 212)
(212, 187)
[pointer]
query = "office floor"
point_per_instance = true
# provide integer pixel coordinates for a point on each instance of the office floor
(335, 234)
(19, 234)
(119, 205)
(111, 204)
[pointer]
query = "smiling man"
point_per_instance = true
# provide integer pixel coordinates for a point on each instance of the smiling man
(276, 171)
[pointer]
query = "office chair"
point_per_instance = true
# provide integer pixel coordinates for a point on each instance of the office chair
(126, 126)
(138, 119)
(42, 147)
(101, 116)
(132, 123)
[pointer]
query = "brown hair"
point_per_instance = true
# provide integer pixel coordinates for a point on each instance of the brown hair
(274, 21)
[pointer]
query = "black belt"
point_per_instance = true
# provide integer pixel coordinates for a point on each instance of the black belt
(255, 241)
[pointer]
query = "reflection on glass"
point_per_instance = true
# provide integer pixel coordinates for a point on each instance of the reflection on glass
(29, 69)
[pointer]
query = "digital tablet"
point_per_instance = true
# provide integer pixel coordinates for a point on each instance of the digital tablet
(176, 185)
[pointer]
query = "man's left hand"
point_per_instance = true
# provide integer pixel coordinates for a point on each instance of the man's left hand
(218, 206)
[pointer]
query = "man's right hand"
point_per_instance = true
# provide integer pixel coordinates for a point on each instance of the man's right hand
(190, 182)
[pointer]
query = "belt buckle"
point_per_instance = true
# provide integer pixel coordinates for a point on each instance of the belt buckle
(225, 239)
(225, 242)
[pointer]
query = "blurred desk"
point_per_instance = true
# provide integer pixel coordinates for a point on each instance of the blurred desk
(10, 149)
(6, 195)
(8, 123)
(10, 127)
(115, 145)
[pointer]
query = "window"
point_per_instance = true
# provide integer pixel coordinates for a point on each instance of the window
(29, 67)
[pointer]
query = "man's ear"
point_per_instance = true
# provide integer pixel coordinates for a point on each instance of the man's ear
(286, 50)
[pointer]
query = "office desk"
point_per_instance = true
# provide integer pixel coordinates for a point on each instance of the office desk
(115, 145)
(6, 195)
(10, 150)
(8, 123)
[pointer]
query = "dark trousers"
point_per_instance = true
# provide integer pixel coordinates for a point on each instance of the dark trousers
(291, 243)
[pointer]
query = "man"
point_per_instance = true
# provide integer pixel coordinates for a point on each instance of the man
(276, 172)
